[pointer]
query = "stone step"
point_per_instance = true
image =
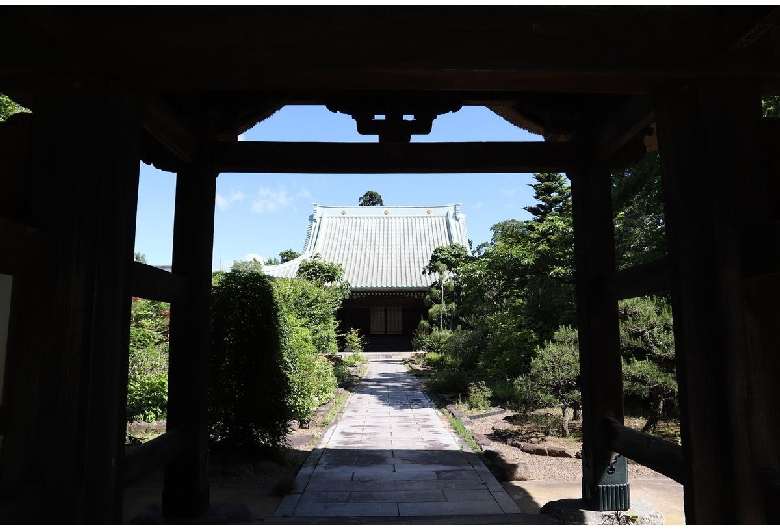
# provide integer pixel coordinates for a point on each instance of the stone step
(383, 355)
(499, 519)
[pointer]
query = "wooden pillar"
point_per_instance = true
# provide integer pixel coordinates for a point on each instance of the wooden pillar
(604, 478)
(69, 330)
(710, 153)
(186, 489)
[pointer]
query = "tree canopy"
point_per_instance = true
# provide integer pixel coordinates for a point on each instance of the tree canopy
(9, 107)
(371, 198)
(288, 255)
(513, 303)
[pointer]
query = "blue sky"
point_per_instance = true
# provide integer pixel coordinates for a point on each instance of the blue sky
(260, 215)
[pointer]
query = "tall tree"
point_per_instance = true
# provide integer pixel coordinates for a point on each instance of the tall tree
(443, 262)
(371, 198)
(554, 196)
(252, 265)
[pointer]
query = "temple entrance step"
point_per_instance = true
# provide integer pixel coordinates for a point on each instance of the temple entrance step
(385, 343)
(383, 355)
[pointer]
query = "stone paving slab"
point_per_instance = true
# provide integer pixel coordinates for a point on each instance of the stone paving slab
(347, 509)
(449, 508)
(390, 455)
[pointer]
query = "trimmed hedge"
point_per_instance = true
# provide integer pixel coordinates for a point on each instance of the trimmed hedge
(248, 387)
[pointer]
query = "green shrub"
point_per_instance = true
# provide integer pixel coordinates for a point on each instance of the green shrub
(248, 388)
(647, 348)
(353, 341)
(517, 393)
(479, 395)
(553, 380)
(147, 385)
(449, 379)
(510, 344)
(555, 370)
(504, 390)
(355, 359)
(549, 424)
(466, 346)
(147, 397)
(433, 359)
(432, 342)
(315, 305)
(310, 375)
(343, 374)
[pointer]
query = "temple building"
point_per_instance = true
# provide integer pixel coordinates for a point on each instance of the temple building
(176, 86)
(383, 250)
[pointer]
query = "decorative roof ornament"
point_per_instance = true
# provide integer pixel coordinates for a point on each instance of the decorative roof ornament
(394, 121)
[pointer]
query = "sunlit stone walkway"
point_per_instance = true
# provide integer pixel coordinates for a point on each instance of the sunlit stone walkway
(391, 455)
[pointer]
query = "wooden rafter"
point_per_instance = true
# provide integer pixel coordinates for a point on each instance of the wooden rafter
(169, 129)
(633, 118)
(320, 157)
(156, 284)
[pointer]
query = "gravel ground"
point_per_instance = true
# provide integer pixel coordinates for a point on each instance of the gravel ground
(497, 427)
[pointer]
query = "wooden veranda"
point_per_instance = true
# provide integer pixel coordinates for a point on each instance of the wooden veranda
(174, 86)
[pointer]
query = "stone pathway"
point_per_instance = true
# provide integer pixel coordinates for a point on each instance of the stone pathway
(391, 455)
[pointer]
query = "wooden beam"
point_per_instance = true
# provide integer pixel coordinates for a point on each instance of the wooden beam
(375, 158)
(636, 115)
(725, 348)
(156, 284)
(642, 280)
(605, 475)
(628, 80)
(70, 327)
(769, 194)
(186, 483)
(760, 251)
(650, 451)
(152, 455)
(755, 31)
(403, 47)
(24, 250)
(163, 123)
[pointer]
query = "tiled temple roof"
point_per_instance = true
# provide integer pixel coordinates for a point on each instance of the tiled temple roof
(380, 247)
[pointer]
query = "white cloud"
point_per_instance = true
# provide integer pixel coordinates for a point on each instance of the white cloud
(268, 200)
(478, 205)
(252, 256)
(272, 200)
(510, 192)
(224, 201)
